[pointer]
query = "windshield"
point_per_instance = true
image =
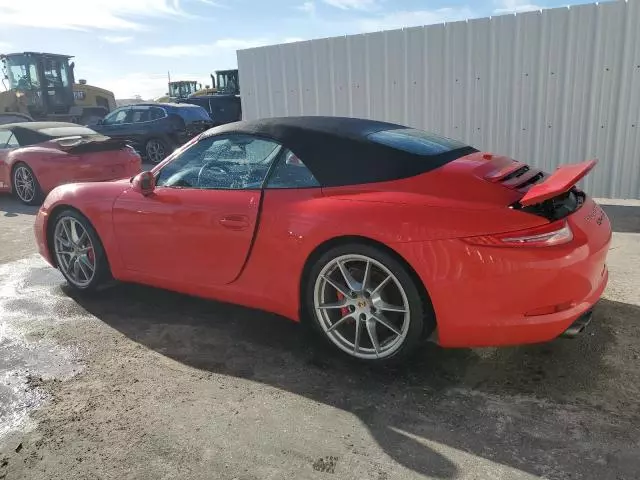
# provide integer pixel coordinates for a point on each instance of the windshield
(56, 72)
(182, 89)
(22, 72)
(227, 82)
(416, 141)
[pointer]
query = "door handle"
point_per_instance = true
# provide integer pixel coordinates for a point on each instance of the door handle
(235, 222)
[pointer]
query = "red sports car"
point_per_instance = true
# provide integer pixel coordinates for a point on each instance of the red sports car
(382, 236)
(35, 157)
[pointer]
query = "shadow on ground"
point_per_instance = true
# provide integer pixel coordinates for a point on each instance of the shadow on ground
(507, 405)
(10, 207)
(624, 218)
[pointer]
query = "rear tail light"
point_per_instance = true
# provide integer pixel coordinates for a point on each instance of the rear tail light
(556, 233)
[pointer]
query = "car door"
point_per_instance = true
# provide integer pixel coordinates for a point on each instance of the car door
(197, 227)
(7, 143)
(117, 124)
(142, 123)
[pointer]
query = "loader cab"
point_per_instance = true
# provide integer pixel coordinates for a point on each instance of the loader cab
(46, 80)
(182, 89)
(227, 82)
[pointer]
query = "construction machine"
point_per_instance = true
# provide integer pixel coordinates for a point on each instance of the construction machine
(42, 86)
(222, 101)
(227, 82)
(180, 89)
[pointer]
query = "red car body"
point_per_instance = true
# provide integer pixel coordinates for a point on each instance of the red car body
(454, 225)
(59, 153)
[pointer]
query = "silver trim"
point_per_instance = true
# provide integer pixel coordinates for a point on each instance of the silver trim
(362, 307)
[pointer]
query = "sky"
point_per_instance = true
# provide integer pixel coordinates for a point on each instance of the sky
(128, 46)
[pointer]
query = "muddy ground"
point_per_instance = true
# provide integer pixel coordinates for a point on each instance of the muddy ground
(145, 384)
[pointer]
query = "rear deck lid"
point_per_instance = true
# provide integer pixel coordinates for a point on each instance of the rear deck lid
(89, 143)
(559, 182)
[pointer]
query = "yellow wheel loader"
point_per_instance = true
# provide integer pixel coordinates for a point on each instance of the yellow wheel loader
(41, 86)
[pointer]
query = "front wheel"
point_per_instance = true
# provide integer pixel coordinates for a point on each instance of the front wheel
(78, 251)
(365, 302)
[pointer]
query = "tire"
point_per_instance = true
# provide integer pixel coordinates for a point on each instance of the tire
(391, 315)
(156, 150)
(82, 249)
(25, 185)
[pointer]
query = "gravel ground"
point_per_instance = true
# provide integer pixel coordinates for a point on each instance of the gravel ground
(146, 384)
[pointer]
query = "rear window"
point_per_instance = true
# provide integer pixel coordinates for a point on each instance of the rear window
(67, 131)
(415, 141)
(193, 113)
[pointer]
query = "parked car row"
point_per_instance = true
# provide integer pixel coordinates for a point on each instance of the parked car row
(35, 157)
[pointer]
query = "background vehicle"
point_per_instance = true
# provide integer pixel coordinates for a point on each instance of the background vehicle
(14, 118)
(155, 129)
(42, 86)
(180, 89)
(381, 236)
(226, 81)
(35, 157)
(220, 107)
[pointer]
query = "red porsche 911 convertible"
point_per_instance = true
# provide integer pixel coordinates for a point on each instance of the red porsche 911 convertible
(35, 157)
(382, 236)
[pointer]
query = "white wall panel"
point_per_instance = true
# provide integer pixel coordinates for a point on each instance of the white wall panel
(550, 87)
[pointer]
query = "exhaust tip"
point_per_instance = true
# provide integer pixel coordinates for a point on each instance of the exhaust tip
(579, 325)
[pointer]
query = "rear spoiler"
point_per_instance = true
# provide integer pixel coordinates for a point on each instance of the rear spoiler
(559, 182)
(94, 143)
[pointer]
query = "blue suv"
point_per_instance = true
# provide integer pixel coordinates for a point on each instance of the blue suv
(155, 129)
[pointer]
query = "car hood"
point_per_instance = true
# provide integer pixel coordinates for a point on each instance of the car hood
(89, 192)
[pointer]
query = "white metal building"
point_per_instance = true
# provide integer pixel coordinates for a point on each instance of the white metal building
(550, 87)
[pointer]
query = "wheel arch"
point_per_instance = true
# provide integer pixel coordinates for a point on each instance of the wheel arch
(55, 211)
(327, 245)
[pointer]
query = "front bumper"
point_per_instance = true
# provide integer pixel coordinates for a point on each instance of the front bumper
(40, 231)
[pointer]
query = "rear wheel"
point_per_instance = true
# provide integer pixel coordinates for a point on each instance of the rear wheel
(78, 251)
(365, 302)
(25, 185)
(156, 150)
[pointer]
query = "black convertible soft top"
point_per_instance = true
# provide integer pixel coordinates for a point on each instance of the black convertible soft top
(31, 133)
(350, 151)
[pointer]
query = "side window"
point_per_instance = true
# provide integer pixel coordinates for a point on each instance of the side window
(116, 117)
(235, 162)
(290, 172)
(157, 113)
(140, 114)
(8, 140)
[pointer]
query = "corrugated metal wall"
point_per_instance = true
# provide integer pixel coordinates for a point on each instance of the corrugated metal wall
(550, 87)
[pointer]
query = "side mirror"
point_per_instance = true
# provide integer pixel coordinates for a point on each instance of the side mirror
(144, 183)
(100, 122)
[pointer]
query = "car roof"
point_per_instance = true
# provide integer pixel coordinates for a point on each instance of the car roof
(338, 150)
(159, 104)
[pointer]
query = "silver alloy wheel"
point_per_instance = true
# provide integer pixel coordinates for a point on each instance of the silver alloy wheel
(24, 184)
(155, 151)
(361, 306)
(74, 251)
